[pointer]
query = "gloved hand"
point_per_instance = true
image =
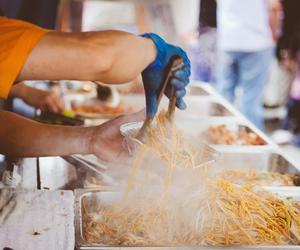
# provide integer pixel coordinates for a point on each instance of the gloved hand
(154, 73)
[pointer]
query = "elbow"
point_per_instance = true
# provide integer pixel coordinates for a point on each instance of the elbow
(109, 68)
(103, 63)
(107, 57)
(100, 64)
(96, 55)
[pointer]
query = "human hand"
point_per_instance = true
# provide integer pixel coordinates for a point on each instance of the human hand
(288, 61)
(45, 100)
(154, 73)
(106, 141)
(42, 99)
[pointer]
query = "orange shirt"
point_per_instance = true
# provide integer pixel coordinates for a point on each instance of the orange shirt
(17, 39)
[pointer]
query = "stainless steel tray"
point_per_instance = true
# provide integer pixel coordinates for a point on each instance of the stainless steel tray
(272, 161)
(197, 106)
(57, 173)
(203, 107)
(197, 90)
(132, 103)
(197, 128)
(107, 193)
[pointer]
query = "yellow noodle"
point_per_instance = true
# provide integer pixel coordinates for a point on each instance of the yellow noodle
(212, 211)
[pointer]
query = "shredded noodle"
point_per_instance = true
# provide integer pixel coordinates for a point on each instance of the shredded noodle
(208, 211)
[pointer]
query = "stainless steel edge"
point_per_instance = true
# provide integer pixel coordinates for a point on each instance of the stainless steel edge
(261, 160)
(198, 126)
(81, 244)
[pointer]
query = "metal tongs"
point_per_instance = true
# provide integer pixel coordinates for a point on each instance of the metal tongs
(205, 154)
(83, 161)
(94, 166)
(175, 64)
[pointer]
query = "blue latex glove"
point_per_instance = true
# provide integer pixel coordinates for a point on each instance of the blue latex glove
(154, 73)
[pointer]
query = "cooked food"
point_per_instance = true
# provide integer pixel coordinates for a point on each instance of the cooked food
(221, 134)
(199, 210)
(220, 214)
(99, 109)
(258, 178)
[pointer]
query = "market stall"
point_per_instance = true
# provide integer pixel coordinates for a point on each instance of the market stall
(56, 195)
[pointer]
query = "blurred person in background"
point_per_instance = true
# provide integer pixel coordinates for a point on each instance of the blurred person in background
(292, 121)
(247, 31)
(205, 59)
(45, 100)
(289, 57)
(44, 14)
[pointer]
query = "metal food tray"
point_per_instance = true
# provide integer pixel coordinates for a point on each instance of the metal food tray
(197, 90)
(197, 129)
(203, 107)
(82, 244)
(132, 103)
(69, 174)
(197, 106)
(260, 160)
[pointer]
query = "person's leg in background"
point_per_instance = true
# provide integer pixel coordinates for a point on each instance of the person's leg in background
(254, 72)
(286, 123)
(296, 123)
(227, 77)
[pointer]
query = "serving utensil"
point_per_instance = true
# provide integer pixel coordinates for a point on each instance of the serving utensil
(174, 64)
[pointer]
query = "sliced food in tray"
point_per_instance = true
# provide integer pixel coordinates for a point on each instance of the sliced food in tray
(95, 109)
(233, 135)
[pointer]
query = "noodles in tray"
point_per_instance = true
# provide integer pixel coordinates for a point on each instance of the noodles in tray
(220, 214)
(169, 210)
(254, 177)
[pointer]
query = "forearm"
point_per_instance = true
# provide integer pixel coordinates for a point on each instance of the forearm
(22, 91)
(107, 56)
(275, 12)
(18, 90)
(21, 137)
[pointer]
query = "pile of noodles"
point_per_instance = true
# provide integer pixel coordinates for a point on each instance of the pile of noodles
(159, 211)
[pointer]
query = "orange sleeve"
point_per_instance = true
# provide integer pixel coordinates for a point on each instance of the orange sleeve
(17, 39)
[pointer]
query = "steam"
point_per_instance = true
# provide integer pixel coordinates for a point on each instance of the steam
(172, 193)
(160, 189)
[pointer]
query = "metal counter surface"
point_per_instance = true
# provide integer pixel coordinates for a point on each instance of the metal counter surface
(42, 220)
(56, 173)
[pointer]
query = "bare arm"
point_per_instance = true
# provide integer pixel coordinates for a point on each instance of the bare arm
(46, 100)
(107, 56)
(275, 12)
(21, 137)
